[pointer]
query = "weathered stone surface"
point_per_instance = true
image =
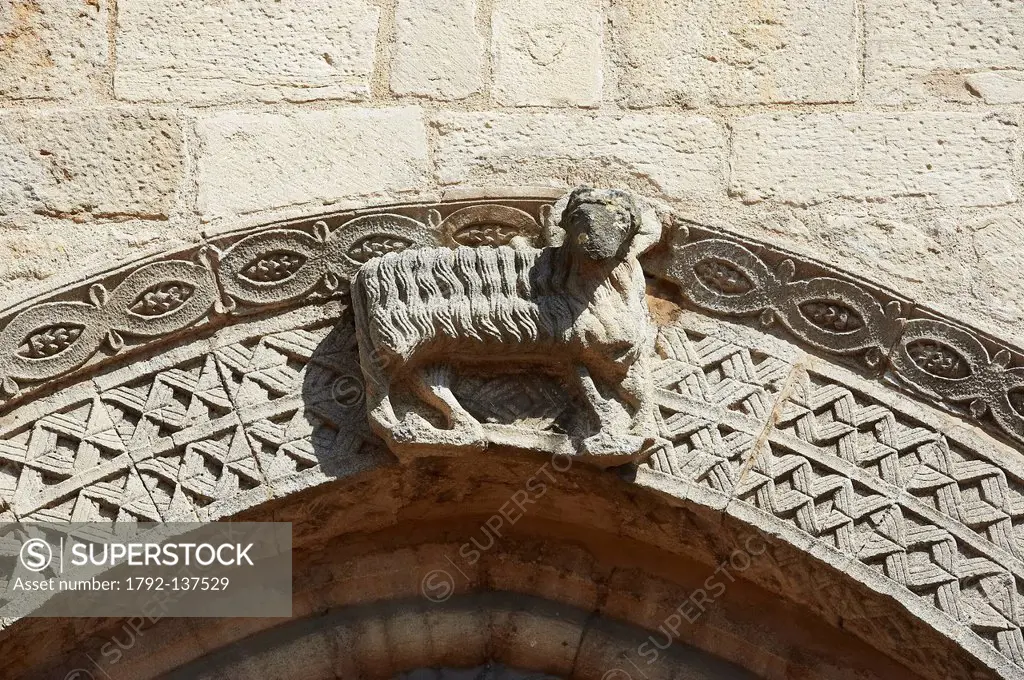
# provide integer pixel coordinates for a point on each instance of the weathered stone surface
(591, 321)
(38, 252)
(439, 52)
(92, 162)
(548, 52)
(52, 49)
(904, 249)
(957, 261)
(726, 52)
(678, 156)
(755, 428)
(954, 159)
(997, 87)
(190, 50)
(258, 161)
(992, 273)
(917, 49)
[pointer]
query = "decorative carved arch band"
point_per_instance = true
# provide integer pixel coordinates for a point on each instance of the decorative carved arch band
(875, 444)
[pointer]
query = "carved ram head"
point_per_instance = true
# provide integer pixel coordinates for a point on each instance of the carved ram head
(608, 223)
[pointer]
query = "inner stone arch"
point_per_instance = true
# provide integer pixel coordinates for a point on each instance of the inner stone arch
(487, 672)
(873, 444)
(588, 586)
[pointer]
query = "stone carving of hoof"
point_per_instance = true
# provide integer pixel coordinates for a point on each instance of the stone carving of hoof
(414, 433)
(411, 428)
(465, 436)
(608, 450)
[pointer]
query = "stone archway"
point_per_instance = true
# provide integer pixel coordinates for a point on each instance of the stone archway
(870, 444)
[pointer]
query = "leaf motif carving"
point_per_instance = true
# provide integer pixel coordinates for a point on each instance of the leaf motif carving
(832, 316)
(938, 359)
(376, 245)
(161, 298)
(49, 341)
(722, 277)
(8, 387)
(477, 235)
(274, 267)
(114, 340)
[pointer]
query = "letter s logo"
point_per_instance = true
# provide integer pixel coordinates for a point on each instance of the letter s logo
(36, 554)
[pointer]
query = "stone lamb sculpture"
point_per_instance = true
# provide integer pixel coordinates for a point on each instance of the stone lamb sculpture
(575, 309)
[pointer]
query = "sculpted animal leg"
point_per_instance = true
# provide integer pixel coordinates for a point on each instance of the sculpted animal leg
(637, 390)
(612, 445)
(381, 414)
(377, 385)
(433, 386)
(599, 406)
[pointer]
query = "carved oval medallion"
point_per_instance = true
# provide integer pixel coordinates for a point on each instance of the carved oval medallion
(1016, 397)
(274, 267)
(50, 341)
(477, 235)
(721, 277)
(938, 359)
(162, 298)
(375, 245)
(831, 316)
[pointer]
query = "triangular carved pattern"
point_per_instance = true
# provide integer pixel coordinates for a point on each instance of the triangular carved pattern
(824, 504)
(714, 397)
(717, 373)
(705, 452)
(920, 460)
(153, 411)
(784, 568)
(871, 483)
(195, 440)
(72, 465)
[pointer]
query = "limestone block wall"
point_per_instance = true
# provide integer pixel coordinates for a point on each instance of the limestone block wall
(880, 135)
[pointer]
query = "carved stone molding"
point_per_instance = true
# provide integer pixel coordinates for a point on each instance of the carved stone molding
(51, 339)
(900, 494)
(113, 315)
(861, 429)
(829, 314)
(875, 331)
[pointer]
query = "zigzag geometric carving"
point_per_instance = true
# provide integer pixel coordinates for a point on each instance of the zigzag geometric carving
(213, 379)
(715, 397)
(142, 304)
(920, 509)
(226, 423)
